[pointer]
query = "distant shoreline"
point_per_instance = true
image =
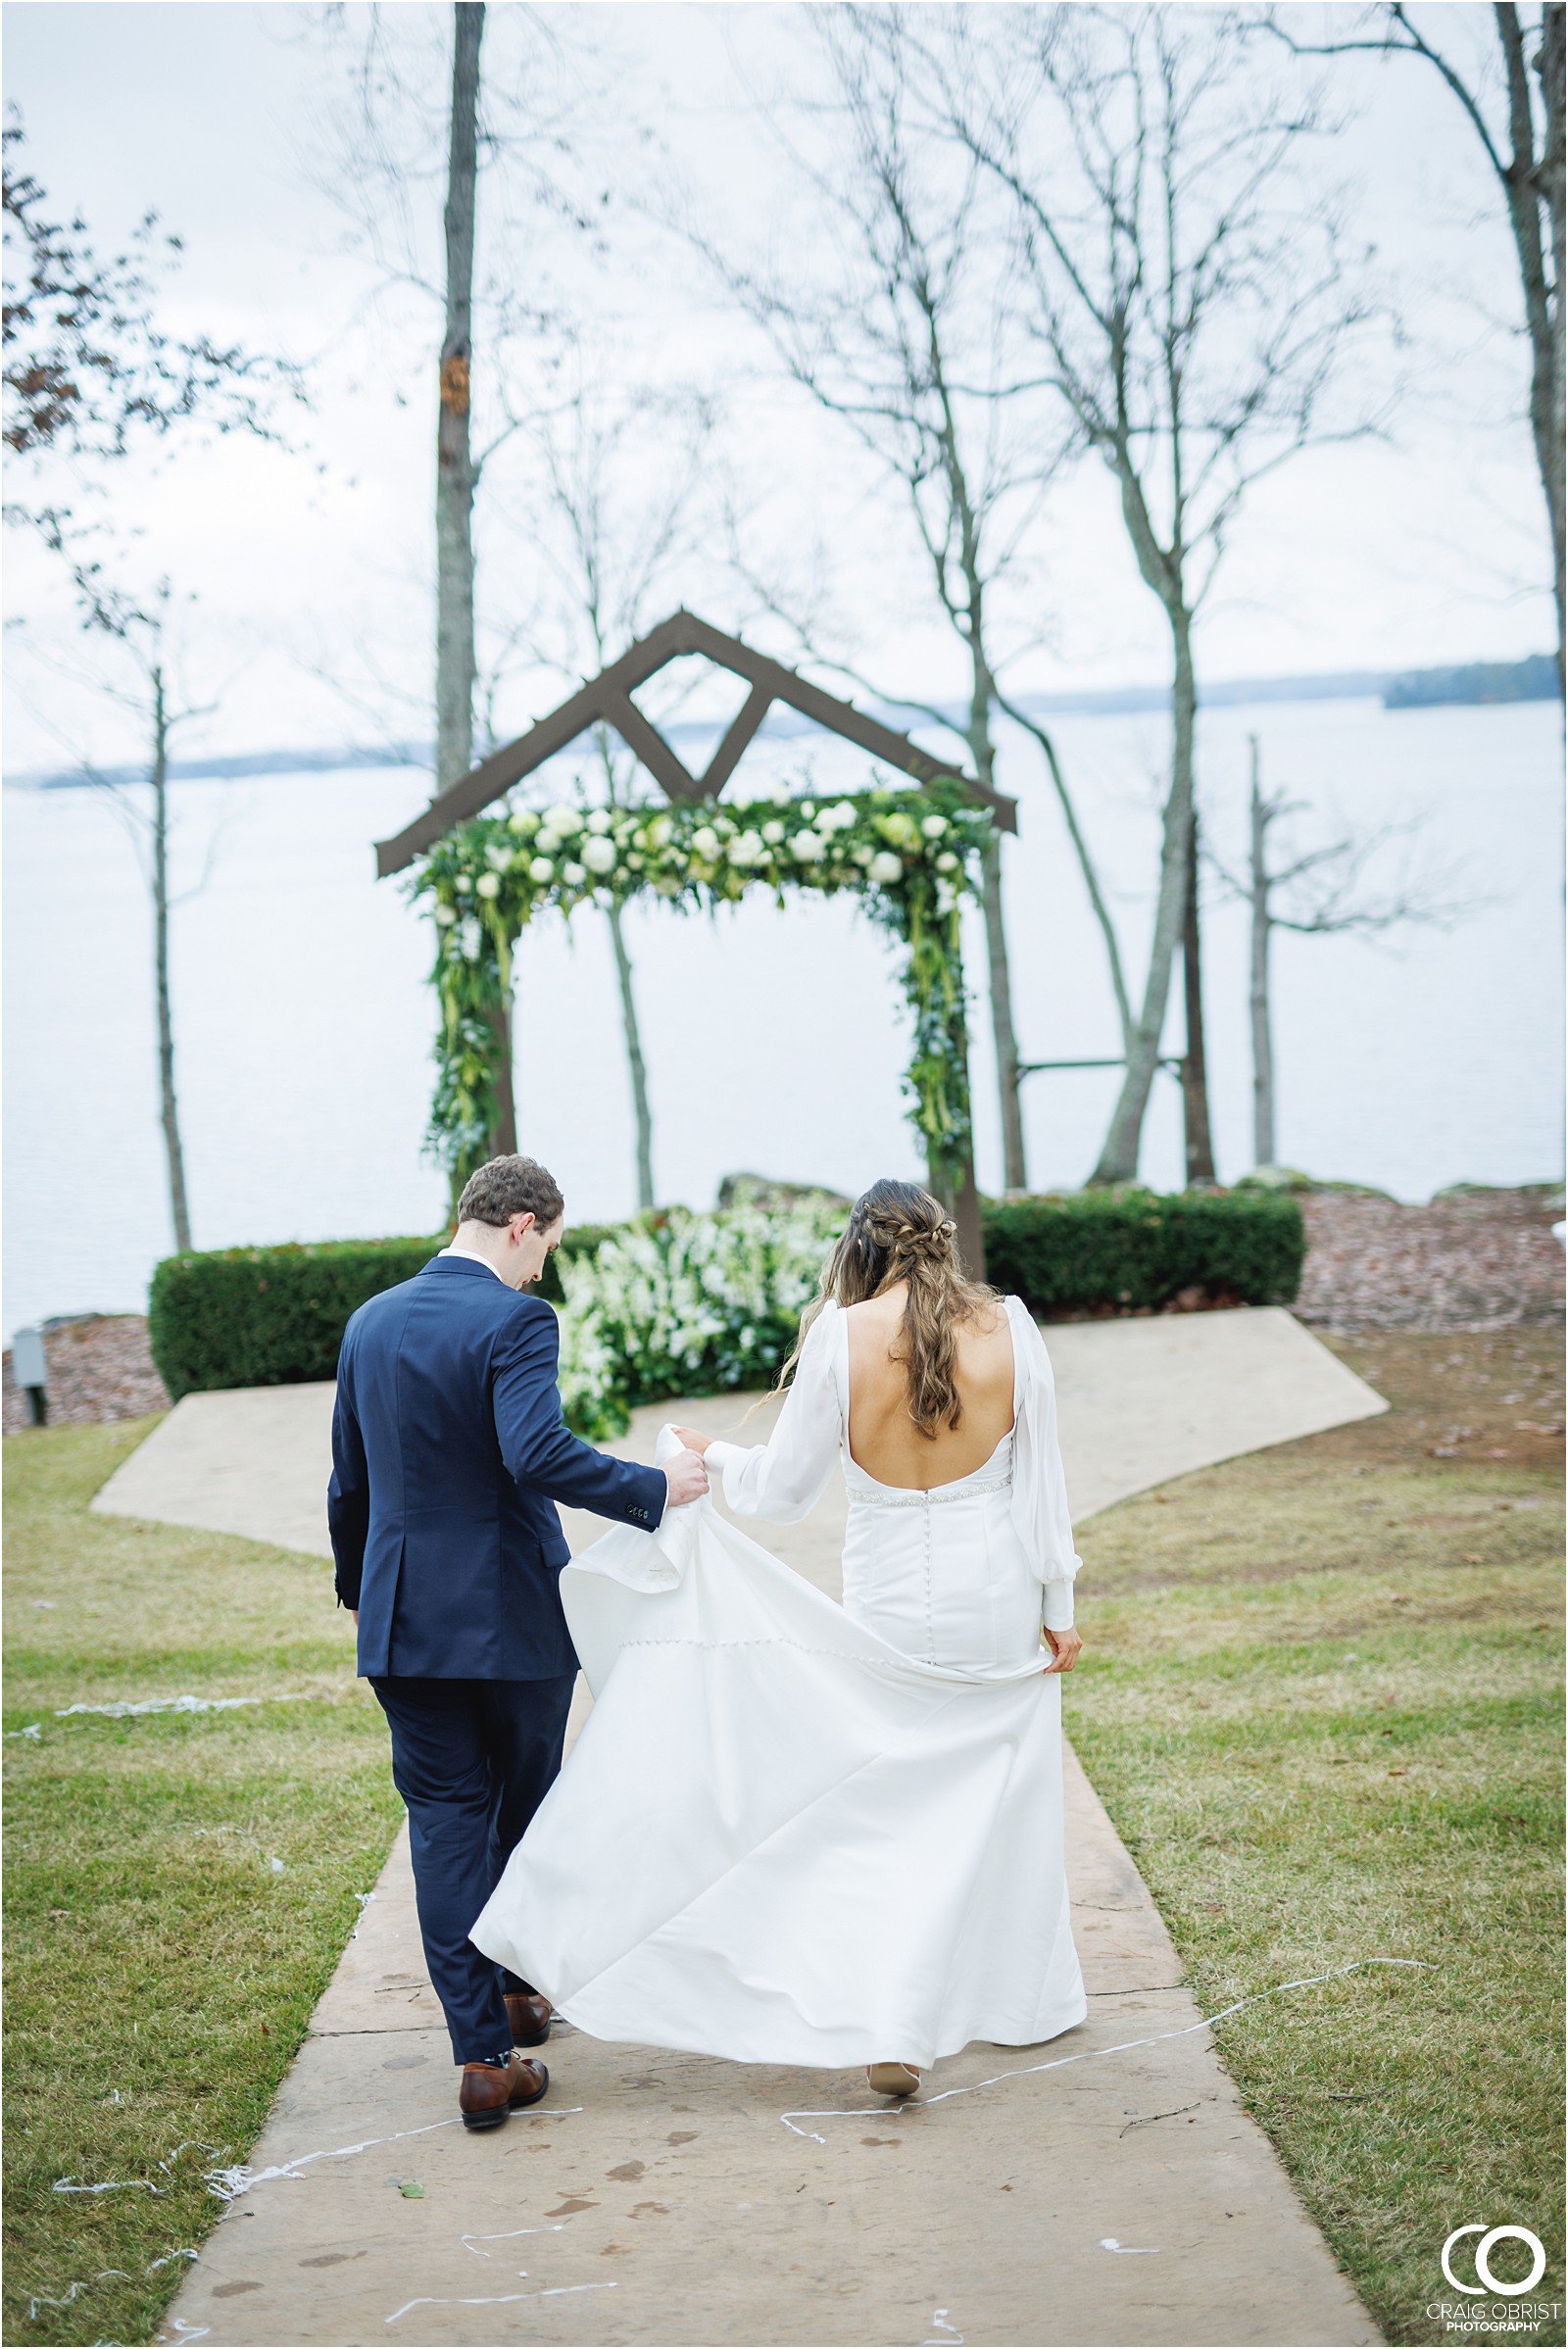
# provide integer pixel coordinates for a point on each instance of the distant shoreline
(1473, 685)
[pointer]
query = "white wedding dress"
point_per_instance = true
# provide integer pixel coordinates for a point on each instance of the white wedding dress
(794, 1833)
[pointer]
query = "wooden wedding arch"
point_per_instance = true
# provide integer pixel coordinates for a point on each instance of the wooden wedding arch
(607, 700)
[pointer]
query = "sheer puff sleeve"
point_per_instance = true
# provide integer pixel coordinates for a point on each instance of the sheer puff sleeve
(783, 1479)
(1040, 1487)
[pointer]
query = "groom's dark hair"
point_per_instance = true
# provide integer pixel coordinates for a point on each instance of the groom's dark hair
(507, 1187)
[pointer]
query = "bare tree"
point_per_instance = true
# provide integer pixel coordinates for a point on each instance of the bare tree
(455, 475)
(1187, 304)
(89, 375)
(619, 510)
(143, 682)
(1519, 122)
(897, 328)
(507, 127)
(1317, 892)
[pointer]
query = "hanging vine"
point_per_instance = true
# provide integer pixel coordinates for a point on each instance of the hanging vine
(909, 855)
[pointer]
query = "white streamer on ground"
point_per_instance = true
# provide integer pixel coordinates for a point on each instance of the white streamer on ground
(470, 2241)
(118, 2185)
(189, 2333)
(943, 2335)
(34, 1728)
(1089, 2055)
(1109, 2242)
(104, 2276)
(123, 1709)
(230, 2183)
(498, 2299)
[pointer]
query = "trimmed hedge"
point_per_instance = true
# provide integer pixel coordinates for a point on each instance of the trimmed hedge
(274, 1317)
(1134, 1251)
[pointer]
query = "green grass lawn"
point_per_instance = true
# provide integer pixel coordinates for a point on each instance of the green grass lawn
(1322, 1701)
(1322, 1704)
(159, 1971)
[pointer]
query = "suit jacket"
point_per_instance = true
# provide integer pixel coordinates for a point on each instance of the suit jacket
(448, 1454)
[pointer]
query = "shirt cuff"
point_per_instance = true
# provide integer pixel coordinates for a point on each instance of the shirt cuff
(720, 1457)
(1058, 1613)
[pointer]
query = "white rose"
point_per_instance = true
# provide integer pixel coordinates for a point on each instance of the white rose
(885, 866)
(498, 858)
(600, 856)
(446, 916)
(946, 862)
(562, 820)
(471, 938)
(523, 819)
(488, 885)
(747, 849)
(463, 885)
(862, 856)
(705, 840)
(541, 869)
(806, 847)
(599, 821)
(934, 826)
(574, 875)
(773, 833)
(844, 816)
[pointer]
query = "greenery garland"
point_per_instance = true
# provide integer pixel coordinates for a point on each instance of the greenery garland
(908, 854)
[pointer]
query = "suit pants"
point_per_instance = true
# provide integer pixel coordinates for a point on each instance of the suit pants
(473, 1760)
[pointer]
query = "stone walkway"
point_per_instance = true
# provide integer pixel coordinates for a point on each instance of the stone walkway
(1106, 2188)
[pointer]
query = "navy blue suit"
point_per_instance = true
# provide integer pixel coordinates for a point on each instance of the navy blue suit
(448, 1454)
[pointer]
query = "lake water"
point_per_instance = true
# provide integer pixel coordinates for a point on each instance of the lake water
(774, 1039)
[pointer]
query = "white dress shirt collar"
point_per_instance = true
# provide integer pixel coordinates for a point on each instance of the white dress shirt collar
(468, 1256)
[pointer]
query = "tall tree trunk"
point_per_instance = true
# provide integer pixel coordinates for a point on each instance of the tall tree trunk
(1551, 62)
(455, 662)
(1015, 1165)
(1003, 1034)
(168, 1101)
(1263, 1142)
(636, 1066)
(1118, 1157)
(1199, 1144)
(1532, 185)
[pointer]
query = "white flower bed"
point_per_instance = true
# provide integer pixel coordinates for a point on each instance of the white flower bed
(699, 1305)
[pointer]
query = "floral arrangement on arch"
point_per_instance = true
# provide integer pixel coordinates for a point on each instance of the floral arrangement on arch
(909, 854)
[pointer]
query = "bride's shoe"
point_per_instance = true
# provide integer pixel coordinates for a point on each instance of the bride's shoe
(893, 2080)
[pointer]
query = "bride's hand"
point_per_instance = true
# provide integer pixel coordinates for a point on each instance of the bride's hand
(1065, 1646)
(693, 1441)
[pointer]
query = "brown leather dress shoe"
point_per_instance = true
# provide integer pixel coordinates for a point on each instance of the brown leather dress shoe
(528, 2013)
(489, 2091)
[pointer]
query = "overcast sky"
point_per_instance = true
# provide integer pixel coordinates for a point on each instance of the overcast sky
(310, 568)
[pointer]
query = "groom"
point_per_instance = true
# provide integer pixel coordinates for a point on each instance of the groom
(448, 1454)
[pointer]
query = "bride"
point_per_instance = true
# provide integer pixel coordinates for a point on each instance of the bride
(803, 1833)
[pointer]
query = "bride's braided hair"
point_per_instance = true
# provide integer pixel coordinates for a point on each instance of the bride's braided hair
(898, 1231)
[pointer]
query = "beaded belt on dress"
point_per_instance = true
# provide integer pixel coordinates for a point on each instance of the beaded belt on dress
(884, 1496)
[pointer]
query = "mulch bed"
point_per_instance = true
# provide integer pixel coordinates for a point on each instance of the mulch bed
(1479, 1261)
(1475, 1260)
